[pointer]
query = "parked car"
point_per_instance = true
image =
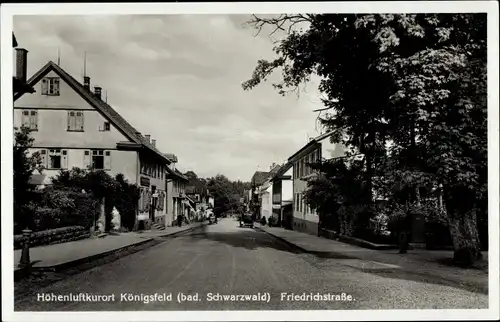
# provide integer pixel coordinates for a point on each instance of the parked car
(212, 219)
(246, 220)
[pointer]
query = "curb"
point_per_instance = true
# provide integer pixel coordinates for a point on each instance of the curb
(356, 242)
(20, 273)
(285, 241)
(364, 243)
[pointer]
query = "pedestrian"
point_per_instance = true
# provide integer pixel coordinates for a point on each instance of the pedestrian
(179, 220)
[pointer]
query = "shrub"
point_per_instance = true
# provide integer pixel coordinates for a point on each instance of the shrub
(263, 221)
(272, 222)
(126, 201)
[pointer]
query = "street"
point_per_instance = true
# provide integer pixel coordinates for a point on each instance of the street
(226, 259)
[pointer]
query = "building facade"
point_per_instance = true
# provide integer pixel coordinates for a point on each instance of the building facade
(73, 127)
(319, 148)
(283, 195)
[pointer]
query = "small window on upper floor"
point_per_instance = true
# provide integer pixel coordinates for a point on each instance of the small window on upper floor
(107, 126)
(75, 121)
(30, 119)
(50, 86)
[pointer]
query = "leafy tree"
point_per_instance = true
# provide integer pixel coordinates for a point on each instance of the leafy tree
(417, 80)
(126, 201)
(226, 193)
(24, 166)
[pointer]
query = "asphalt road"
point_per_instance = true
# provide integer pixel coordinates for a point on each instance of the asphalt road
(228, 260)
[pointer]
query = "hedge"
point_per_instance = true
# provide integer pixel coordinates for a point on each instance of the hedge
(53, 236)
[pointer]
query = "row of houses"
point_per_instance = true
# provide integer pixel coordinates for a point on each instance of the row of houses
(278, 192)
(73, 126)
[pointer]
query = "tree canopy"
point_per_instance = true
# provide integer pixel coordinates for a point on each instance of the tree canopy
(416, 81)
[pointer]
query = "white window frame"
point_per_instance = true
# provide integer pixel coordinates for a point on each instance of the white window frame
(29, 119)
(88, 158)
(51, 86)
(63, 158)
(75, 121)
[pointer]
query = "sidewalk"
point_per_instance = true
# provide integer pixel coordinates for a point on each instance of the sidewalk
(65, 254)
(416, 262)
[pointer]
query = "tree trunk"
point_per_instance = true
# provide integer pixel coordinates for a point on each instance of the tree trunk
(463, 229)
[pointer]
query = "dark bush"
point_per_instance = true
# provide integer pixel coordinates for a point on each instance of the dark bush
(61, 208)
(53, 236)
(272, 222)
(263, 221)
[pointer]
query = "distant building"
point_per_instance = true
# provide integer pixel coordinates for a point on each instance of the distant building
(282, 199)
(319, 148)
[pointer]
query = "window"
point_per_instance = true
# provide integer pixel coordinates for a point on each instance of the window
(50, 86)
(75, 121)
(30, 120)
(300, 202)
(107, 126)
(97, 159)
(55, 159)
(58, 159)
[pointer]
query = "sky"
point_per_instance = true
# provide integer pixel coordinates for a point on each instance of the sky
(178, 78)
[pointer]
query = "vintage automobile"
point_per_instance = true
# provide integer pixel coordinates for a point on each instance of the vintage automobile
(246, 220)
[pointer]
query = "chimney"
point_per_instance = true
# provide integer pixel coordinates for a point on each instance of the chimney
(148, 137)
(153, 142)
(97, 92)
(86, 82)
(21, 64)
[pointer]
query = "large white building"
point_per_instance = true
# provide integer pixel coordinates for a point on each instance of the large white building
(73, 126)
(319, 148)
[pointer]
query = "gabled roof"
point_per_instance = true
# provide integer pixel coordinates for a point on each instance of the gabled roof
(176, 173)
(259, 177)
(116, 119)
(316, 140)
(282, 170)
(171, 157)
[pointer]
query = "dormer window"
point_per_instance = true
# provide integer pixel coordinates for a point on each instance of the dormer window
(50, 86)
(107, 126)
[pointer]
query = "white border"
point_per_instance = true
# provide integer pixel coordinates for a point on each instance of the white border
(8, 10)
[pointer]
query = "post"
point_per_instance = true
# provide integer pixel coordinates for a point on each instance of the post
(25, 255)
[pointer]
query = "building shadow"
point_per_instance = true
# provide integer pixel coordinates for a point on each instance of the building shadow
(253, 239)
(247, 238)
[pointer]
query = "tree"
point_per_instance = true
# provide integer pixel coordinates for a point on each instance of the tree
(398, 77)
(24, 166)
(226, 193)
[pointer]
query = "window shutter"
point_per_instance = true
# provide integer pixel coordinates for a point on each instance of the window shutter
(139, 208)
(45, 86)
(79, 120)
(146, 201)
(43, 156)
(25, 119)
(56, 86)
(70, 116)
(64, 159)
(34, 120)
(107, 160)
(86, 159)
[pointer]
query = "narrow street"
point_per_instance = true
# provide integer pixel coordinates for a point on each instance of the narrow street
(226, 259)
